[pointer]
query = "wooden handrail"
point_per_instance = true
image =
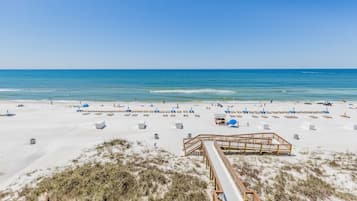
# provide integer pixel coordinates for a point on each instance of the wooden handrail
(249, 141)
(253, 143)
(237, 180)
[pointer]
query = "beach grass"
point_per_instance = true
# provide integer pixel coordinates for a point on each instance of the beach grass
(120, 178)
(313, 178)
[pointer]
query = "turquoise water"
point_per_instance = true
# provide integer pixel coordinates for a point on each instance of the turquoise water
(179, 85)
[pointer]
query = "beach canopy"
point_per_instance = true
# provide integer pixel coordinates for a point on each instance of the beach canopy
(85, 105)
(219, 116)
(232, 122)
(191, 110)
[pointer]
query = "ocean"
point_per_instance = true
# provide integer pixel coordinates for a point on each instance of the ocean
(179, 85)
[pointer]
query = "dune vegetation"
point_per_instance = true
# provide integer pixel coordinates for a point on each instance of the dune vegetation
(315, 176)
(117, 175)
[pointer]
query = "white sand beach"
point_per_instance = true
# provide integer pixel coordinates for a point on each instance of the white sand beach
(62, 133)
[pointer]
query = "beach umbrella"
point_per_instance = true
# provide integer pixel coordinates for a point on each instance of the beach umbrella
(292, 111)
(156, 110)
(227, 111)
(191, 110)
(232, 122)
(173, 110)
(85, 105)
(326, 111)
(263, 111)
(128, 110)
(245, 111)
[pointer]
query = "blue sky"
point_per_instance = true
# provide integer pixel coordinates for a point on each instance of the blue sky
(177, 33)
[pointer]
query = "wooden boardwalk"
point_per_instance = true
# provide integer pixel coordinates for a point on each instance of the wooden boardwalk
(255, 143)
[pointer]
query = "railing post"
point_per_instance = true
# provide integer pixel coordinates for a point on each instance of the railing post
(278, 150)
(261, 149)
(215, 183)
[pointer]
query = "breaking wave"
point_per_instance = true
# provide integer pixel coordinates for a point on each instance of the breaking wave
(8, 90)
(193, 91)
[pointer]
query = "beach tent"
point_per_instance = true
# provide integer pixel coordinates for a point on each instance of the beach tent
(142, 125)
(220, 119)
(232, 123)
(100, 125)
(179, 125)
(85, 105)
(245, 111)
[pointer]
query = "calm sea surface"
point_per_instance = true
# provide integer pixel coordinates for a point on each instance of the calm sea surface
(178, 85)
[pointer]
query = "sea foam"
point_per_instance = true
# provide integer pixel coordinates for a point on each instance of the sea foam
(8, 90)
(193, 91)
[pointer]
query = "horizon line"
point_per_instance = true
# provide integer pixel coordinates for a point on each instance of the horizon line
(184, 68)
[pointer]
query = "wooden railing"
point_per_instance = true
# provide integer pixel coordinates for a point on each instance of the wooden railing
(247, 194)
(246, 143)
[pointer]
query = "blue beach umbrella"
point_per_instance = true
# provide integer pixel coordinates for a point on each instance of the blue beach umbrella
(85, 105)
(232, 122)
